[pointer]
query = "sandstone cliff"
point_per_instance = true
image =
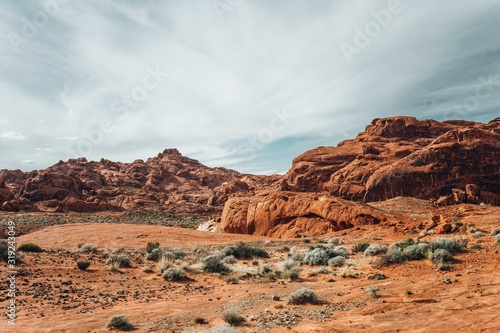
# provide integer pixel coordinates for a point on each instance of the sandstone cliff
(82, 186)
(446, 162)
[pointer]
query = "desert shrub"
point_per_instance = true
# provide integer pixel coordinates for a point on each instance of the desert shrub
(338, 251)
(230, 260)
(289, 269)
(395, 254)
(29, 247)
(372, 290)
(284, 249)
(494, 232)
(478, 234)
(233, 317)
(449, 244)
(360, 247)
(119, 322)
(303, 295)
(213, 264)
(175, 254)
(83, 265)
(317, 256)
(265, 271)
(319, 270)
(442, 258)
(417, 251)
(155, 254)
(87, 248)
(116, 261)
(375, 249)
(334, 241)
(403, 245)
(336, 261)
(164, 264)
(244, 251)
(174, 274)
(151, 246)
(497, 238)
(232, 279)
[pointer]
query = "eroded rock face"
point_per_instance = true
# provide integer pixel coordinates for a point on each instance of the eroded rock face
(82, 186)
(448, 162)
(285, 214)
(402, 156)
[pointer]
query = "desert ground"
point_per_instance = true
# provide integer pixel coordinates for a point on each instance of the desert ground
(53, 295)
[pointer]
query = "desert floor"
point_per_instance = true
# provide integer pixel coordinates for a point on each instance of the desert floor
(53, 295)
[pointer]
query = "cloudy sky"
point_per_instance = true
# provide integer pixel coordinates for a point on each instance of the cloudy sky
(245, 84)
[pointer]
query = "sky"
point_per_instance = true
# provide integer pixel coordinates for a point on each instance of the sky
(242, 84)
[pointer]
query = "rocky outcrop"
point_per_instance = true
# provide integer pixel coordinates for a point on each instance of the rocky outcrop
(286, 214)
(447, 162)
(402, 156)
(167, 179)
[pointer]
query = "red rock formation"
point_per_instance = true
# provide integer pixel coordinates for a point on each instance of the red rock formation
(448, 162)
(402, 156)
(285, 214)
(82, 186)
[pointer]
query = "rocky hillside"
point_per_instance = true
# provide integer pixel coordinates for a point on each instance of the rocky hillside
(169, 179)
(446, 162)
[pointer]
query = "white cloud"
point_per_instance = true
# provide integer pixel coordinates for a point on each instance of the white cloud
(28, 162)
(225, 78)
(13, 136)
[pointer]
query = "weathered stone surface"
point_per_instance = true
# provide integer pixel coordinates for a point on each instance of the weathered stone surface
(83, 186)
(285, 214)
(402, 156)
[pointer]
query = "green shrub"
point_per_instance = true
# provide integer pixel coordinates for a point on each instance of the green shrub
(175, 254)
(151, 246)
(233, 317)
(338, 251)
(497, 238)
(317, 256)
(375, 249)
(116, 261)
(394, 255)
(230, 260)
(87, 248)
(336, 261)
(360, 247)
(334, 241)
(416, 252)
(448, 244)
(29, 247)
(119, 322)
(494, 232)
(403, 245)
(174, 274)
(155, 254)
(213, 264)
(289, 269)
(243, 251)
(303, 295)
(83, 265)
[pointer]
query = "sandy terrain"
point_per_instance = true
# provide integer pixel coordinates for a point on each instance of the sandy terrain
(415, 296)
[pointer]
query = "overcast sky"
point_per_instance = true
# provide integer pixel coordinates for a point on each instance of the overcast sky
(244, 84)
